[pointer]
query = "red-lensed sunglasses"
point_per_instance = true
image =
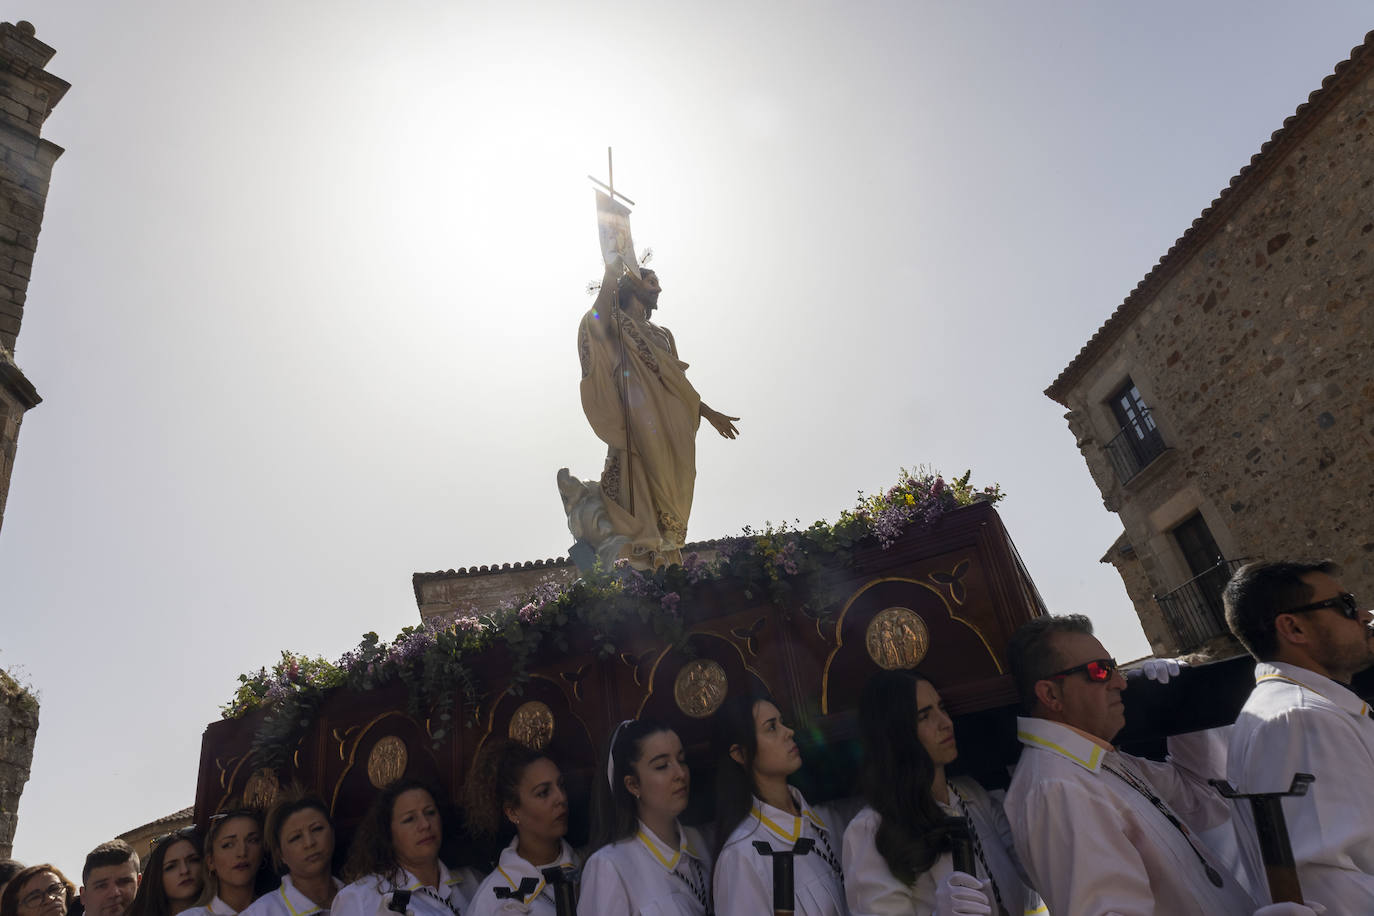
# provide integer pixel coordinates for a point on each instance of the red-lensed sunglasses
(1099, 670)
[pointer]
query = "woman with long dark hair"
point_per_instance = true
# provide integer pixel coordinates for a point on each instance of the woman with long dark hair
(173, 876)
(394, 859)
(300, 840)
(517, 789)
(897, 851)
(755, 754)
(645, 861)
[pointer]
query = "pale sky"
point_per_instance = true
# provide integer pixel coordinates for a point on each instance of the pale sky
(304, 305)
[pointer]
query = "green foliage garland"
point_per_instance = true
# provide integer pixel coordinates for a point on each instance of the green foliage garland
(433, 658)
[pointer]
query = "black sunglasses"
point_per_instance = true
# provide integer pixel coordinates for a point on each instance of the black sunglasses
(184, 833)
(1098, 670)
(1344, 603)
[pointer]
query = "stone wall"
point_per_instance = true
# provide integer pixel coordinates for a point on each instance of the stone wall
(485, 588)
(27, 96)
(142, 838)
(18, 729)
(1256, 357)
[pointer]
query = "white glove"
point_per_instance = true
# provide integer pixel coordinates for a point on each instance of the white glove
(961, 894)
(1161, 669)
(1291, 909)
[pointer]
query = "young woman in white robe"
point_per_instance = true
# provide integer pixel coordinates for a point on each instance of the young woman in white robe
(755, 754)
(897, 858)
(173, 876)
(646, 863)
(516, 787)
(233, 864)
(396, 853)
(300, 840)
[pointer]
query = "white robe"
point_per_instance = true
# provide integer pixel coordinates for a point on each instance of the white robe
(1297, 721)
(1091, 844)
(641, 876)
(287, 900)
(872, 890)
(371, 894)
(510, 871)
(216, 907)
(743, 879)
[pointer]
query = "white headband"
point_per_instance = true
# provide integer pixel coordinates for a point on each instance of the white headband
(610, 755)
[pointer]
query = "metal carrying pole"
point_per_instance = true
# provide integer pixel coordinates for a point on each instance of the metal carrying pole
(564, 884)
(784, 887)
(961, 845)
(1280, 868)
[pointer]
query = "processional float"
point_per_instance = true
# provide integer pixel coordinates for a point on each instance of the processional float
(944, 597)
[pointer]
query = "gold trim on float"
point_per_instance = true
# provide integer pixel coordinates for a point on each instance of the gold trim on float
(839, 630)
(343, 739)
(705, 635)
(353, 753)
(228, 785)
(224, 771)
(491, 717)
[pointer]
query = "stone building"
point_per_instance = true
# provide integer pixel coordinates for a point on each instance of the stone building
(18, 728)
(143, 837)
(1225, 407)
(27, 96)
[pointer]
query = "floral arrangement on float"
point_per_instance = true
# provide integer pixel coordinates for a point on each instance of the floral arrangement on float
(433, 658)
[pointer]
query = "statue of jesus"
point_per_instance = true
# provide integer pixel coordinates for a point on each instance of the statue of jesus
(639, 402)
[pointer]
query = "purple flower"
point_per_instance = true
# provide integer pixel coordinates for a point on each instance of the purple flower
(696, 568)
(635, 584)
(670, 601)
(528, 614)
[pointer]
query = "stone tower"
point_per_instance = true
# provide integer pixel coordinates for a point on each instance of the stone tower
(27, 95)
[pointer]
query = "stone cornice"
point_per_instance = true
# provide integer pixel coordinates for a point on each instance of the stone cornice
(12, 378)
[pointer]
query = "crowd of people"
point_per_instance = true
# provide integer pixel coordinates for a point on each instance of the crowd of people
(1083, 829)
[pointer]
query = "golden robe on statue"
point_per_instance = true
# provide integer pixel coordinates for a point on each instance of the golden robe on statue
(649, 477)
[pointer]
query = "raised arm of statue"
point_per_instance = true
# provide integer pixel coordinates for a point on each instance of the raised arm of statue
(605, 296)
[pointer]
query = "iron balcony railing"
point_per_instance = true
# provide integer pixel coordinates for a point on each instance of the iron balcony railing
(1194, 610)
(1132, 449)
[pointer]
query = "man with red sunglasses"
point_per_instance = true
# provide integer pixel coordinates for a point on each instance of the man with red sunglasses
(1309, 637)
(1099, 831)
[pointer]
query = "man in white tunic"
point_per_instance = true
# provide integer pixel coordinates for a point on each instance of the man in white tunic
(1099, 831)
(109, 879)
(1309, 637)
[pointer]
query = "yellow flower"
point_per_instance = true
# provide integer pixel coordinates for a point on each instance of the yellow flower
(910, 500)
